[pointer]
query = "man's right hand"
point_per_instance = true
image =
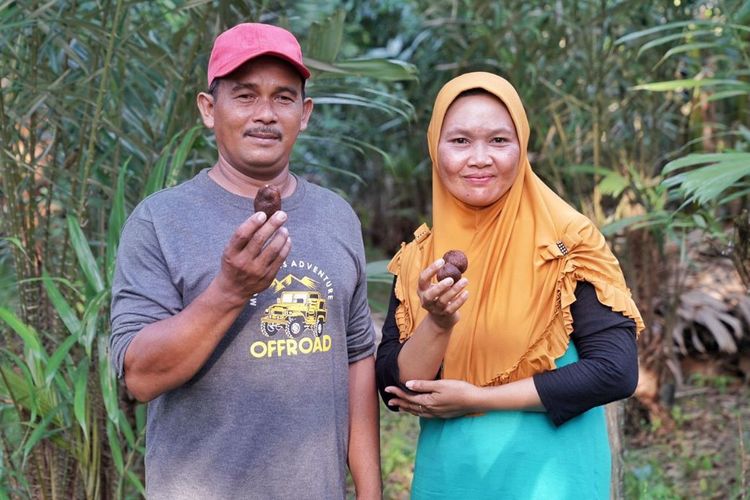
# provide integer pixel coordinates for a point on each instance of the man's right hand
(169, 352)
(253, 256)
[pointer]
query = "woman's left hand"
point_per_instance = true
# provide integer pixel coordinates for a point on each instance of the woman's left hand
(437, 398)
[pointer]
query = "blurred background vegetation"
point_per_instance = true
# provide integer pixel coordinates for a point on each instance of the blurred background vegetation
(639, 115)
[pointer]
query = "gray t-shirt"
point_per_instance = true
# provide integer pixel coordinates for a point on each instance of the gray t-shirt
(267, 416)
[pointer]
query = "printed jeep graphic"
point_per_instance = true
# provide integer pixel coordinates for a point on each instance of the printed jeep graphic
(293, 313)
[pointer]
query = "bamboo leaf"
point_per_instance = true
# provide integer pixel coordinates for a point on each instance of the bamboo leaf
(80, 398)
(91, 318)
(27, 333)
(690, 83)
(727, 94)
(85, 258)
(117, 218)
(670, 38)
(324, 39)
(688, 47)
(15, 387)
(107, 383)
(665, 27)
(50, 370)
(379, 69)
(40, 432)
(135, 481)
(64, 310)
(636, 221)
(613, 184)
(114, 447)
(157, 176)
(124, 426)
(181, 153)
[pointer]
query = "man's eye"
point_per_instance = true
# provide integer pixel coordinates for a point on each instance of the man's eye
(460, 140)
(499, 139)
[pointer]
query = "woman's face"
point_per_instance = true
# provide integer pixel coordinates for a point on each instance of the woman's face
(478, 150)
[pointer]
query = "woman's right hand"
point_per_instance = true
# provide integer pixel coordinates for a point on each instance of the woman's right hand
(443, 299)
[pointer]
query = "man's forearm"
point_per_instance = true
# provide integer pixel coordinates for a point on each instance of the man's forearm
(364, 430)
(168, 353)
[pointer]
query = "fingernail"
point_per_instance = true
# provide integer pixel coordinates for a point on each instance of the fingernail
(280, 216)
(260, 216)
(410, 384)
(439, 262)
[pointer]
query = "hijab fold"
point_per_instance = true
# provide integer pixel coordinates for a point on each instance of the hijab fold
(526, 253)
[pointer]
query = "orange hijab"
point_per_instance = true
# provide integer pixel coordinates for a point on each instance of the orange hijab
(526, 252)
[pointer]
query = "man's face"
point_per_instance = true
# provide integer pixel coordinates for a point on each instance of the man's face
(256, 115)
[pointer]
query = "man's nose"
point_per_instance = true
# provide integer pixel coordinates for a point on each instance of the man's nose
(264, 111)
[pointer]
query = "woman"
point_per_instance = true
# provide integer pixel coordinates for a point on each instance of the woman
(510, 407)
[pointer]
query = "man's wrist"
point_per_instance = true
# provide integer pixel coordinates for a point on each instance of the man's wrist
(222, 295)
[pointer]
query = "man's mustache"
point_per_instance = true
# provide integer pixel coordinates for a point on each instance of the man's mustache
(264, 131)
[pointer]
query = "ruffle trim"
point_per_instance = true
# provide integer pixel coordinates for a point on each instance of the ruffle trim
(553, 343)
(403, 316)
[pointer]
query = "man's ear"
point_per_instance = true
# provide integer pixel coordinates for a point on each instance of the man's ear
(205, 103)
(307, 107)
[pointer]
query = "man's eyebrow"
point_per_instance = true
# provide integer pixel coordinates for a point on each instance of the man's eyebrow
(252, 86)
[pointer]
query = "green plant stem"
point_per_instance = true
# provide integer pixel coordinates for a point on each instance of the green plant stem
(128, 465)
(93, 133)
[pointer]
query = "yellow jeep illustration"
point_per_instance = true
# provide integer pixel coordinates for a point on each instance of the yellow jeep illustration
(294, 312)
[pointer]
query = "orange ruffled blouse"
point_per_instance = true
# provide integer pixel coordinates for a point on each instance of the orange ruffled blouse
(526, 252)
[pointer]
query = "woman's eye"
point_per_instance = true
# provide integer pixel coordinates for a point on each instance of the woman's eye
(499, 139)
(460, 140)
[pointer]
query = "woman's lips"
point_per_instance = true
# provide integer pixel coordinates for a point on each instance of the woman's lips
(479, 179)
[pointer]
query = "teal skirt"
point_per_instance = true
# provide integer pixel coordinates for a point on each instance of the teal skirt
(514, 455)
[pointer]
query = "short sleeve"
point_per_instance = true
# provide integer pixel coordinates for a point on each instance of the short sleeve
(360, 333)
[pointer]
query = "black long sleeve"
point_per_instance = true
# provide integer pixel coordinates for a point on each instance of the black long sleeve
(386, 361)
(606, 371)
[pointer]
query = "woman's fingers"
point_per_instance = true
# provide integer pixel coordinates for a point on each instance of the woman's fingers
(453, 292)
(425, 277)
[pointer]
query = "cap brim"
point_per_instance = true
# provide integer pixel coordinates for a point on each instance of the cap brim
(233, 65)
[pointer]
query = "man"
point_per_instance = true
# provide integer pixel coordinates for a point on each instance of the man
(250, 337)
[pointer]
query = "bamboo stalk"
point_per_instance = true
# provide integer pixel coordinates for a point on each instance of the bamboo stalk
(89, 160)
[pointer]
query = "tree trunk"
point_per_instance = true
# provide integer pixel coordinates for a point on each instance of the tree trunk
(615, 412)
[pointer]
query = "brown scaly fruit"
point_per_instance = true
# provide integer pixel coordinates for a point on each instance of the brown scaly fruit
(448, 271)
(458, 259)
(268, 200)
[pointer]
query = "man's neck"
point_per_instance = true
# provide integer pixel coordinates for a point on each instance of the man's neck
(238, 183)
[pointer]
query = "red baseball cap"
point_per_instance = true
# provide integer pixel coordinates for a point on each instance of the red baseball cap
(247, 41)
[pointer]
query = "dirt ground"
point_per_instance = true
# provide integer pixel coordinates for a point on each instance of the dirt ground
(705, 453)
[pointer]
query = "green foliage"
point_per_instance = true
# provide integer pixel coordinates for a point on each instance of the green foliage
(97, 112)
(639, 117)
